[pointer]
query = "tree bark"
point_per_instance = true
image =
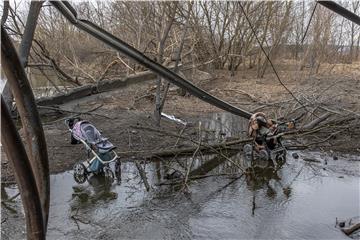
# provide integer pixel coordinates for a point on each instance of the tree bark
(102, 86)
(350, 230)
(5, 12)
(24, 176)
(25, 44)
(208, 148)
(178, 57)
(29, 32)
(34, 134)
(143, 175)
(6, 93)
(164, 36)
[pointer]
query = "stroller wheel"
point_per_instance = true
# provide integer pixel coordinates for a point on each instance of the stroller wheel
(108, 174)
(263, 154)
(248, 148)
(80, 173)
(281, 158)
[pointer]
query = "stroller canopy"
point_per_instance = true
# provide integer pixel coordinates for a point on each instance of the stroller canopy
(83, 130)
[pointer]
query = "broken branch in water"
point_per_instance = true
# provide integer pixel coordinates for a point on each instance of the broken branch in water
(143, 175)
(192, 159)
(209, 148)
(197, 177)
(348, 231)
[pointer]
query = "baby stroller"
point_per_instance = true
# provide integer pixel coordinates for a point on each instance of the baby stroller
(267, 138)
(100, 151)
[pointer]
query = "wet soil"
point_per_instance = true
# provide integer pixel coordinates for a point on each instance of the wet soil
(125, 115)
(131, 107)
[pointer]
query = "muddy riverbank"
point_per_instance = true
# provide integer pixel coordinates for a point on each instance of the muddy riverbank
(125, 115)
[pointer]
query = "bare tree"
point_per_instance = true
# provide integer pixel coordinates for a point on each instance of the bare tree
(7, 95)
(29, 31)
(163, 30)
(178, 55)
(5, 12)
(25, 45)
(16, 153)
(353, 54)
(279, 35)
(34, 134)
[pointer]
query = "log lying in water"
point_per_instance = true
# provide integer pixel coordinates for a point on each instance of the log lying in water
(348, 226)
(348, 231)
(209, 148)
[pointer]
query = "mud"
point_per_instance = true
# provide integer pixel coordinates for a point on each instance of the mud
(122, 110)
(298, 199)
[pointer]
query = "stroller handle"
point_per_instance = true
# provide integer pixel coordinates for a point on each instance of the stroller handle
(69, 121)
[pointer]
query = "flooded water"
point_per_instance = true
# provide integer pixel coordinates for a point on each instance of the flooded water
(300, 199)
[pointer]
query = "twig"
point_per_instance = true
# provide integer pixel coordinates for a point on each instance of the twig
(13, 197)
(126, 65)
(180, 134)
(82, 70)
(193, 157)
(317, 121)
(326, 139)
(106, 70)
(252, 97)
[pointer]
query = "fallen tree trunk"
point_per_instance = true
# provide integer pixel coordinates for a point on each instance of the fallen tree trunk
(211, 148)
(103, 86)
(208, 148)
(348, 231)
(100, 87)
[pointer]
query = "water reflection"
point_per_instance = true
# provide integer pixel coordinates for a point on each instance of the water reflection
(293, 201)
(218, 127)
(100, 188)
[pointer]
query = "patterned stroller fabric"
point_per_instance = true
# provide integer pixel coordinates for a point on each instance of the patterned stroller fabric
(83, 130)
(100, 151)
(88, 133)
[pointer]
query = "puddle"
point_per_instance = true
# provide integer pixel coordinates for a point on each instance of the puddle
(299, 200)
